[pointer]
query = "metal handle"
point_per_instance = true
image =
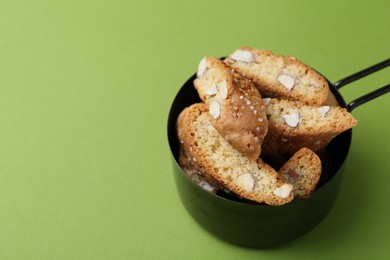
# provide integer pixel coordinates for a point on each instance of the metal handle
(363, 99)
(358, 75)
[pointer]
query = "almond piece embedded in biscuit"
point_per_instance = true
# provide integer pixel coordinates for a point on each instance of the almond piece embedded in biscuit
(315, 84)
(283, 191)
(266, 101)
(205, 185)
(244, 56)
(212, 90)
(202, 68)
(222, 89)
(215, 109)
(324, 110)
(292, 119)
(246, 181)
(287, 81)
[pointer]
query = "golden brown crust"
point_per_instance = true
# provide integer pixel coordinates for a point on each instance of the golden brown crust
(241, 117)
(186, 165)
(264, 68)
(303, 171)
(315, 129)
(187, 143)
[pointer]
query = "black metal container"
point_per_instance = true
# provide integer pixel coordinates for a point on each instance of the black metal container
(258, 225)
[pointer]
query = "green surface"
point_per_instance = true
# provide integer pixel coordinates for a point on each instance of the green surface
(85, 89)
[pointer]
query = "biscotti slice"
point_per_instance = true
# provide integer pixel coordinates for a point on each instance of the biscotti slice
(303, 171)
(293, 125)
(281, 77)
(215, 156)
(235, 105)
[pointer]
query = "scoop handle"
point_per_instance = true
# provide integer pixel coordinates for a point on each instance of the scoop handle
(358, 75)
(367, 97)
(362, 73)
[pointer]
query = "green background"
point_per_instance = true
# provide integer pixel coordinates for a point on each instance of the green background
(85, 90)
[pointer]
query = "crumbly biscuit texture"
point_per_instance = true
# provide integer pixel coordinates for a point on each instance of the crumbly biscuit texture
(215, 156)
(185, 163)
(281, 77)
(235, 106)
(303, 171)
(294, 125)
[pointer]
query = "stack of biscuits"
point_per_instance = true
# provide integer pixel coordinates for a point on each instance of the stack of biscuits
(257, 104)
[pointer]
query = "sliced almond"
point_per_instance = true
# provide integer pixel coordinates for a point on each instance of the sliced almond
(246, 181)
(315, 84)
(324, 110)
(202, 68)
(283, 191)
(215, 109)
(287, 81)
(212, 90)
(241, 55)
(207, 186)
(222, 89)
(266, 101)
(292, 119)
